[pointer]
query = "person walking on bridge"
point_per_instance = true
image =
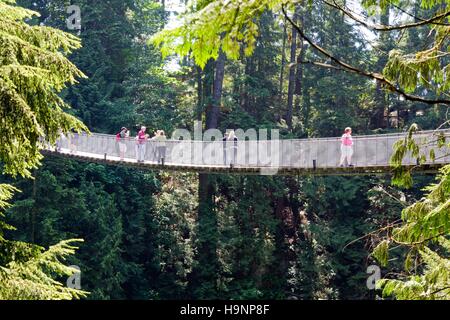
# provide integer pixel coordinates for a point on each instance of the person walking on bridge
(74, 138)
(60, 141)
(121, 138)
(346, 147)
(224, 140)
(141, 140)
(160, 139)
(232, 142)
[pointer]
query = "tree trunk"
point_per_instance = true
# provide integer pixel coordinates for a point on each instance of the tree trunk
(378, 120)
(283, 62)
(205, 274)
(299, 69)
(291, 86)
(199, 94)
(212, 119)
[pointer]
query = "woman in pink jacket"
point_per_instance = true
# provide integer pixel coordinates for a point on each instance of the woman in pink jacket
(346, 147)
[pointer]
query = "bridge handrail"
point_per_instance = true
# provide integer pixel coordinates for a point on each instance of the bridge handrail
(355, 137)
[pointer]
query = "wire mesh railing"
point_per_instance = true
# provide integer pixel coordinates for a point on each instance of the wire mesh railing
(367, 151)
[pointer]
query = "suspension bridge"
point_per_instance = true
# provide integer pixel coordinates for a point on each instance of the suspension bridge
(321, 156)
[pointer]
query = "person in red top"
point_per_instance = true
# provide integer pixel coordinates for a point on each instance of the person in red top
(346, 147)
(141, 140)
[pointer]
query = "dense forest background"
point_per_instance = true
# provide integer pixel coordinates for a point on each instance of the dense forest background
(161, 235)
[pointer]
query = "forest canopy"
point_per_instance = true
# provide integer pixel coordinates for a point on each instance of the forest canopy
(231, 26)
(307, 68)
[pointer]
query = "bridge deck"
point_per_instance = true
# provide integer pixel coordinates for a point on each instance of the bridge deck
(149, 165)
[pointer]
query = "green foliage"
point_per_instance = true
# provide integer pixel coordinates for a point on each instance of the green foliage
(175, 213)
(425, 229)
(33, 279)
(27, 271)
(258, 237)
(332, 208)
(232, 27)
(248, 240)
(381, 252)
(413, 71)
(6, 194)
(419, 149)
(432, 284)
(427, 219)
(33, 70)
(215, 26)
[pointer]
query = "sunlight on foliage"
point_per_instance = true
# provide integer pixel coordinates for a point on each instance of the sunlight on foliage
(33, 70)
(425, 229)
(32, 279)
(231, 26)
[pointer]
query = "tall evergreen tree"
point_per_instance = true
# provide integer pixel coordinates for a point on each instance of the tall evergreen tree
(33, 69)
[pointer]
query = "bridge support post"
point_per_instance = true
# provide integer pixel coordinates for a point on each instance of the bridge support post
(314, 164)
(105, 156)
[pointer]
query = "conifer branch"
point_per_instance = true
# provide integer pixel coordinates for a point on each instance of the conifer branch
(379, 27)
(372, 75)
